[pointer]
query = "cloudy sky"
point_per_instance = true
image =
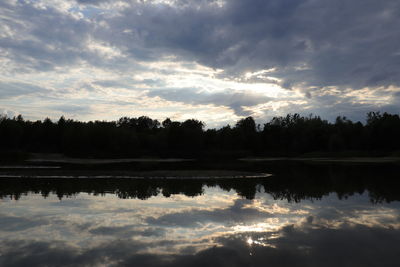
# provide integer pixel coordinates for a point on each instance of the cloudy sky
(214, 60)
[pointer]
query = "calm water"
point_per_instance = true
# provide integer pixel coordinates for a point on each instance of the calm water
(324, 218)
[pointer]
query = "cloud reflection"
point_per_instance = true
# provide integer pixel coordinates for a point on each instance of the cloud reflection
(296, 246)
(215, 228)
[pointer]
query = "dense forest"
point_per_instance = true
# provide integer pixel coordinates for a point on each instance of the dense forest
(291, 135)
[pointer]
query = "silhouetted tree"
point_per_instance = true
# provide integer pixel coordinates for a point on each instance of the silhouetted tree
(289, 135)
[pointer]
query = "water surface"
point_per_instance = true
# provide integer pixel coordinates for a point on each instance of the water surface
(329, 217)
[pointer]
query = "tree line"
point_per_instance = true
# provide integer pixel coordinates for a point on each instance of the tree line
(290, 135)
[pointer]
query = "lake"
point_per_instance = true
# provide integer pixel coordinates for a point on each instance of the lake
(302, 215)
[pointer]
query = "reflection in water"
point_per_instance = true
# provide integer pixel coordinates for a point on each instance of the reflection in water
(296, 183)
(323, 220)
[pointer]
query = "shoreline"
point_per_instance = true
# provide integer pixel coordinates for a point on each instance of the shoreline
(159, 174)
(326, 159)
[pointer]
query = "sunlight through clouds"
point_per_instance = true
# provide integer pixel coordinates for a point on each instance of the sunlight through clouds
(265, 61)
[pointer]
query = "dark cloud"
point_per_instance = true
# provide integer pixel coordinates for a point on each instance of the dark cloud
(15, 89)
(331, 107)
(72, 108)
(320, 43)
(308, 42)
(128, 230)
(233, 99)
(92, 2)
(316, 43)
(14, 223)
(236, 213)
(328, 104)
(305, 43)
(72, 203)
(128, 83)
(312, 245)
(305, 245)
(110, 83)
(44, 39)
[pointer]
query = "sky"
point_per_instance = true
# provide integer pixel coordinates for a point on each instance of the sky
(213, 60)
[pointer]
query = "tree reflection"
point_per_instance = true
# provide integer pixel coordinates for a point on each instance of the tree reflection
(293, 183)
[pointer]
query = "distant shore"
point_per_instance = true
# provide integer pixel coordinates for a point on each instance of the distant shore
(328, 159)
(24, 172)
(59, 158)
(36, 158)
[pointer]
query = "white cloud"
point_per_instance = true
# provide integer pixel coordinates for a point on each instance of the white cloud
(333, 60)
